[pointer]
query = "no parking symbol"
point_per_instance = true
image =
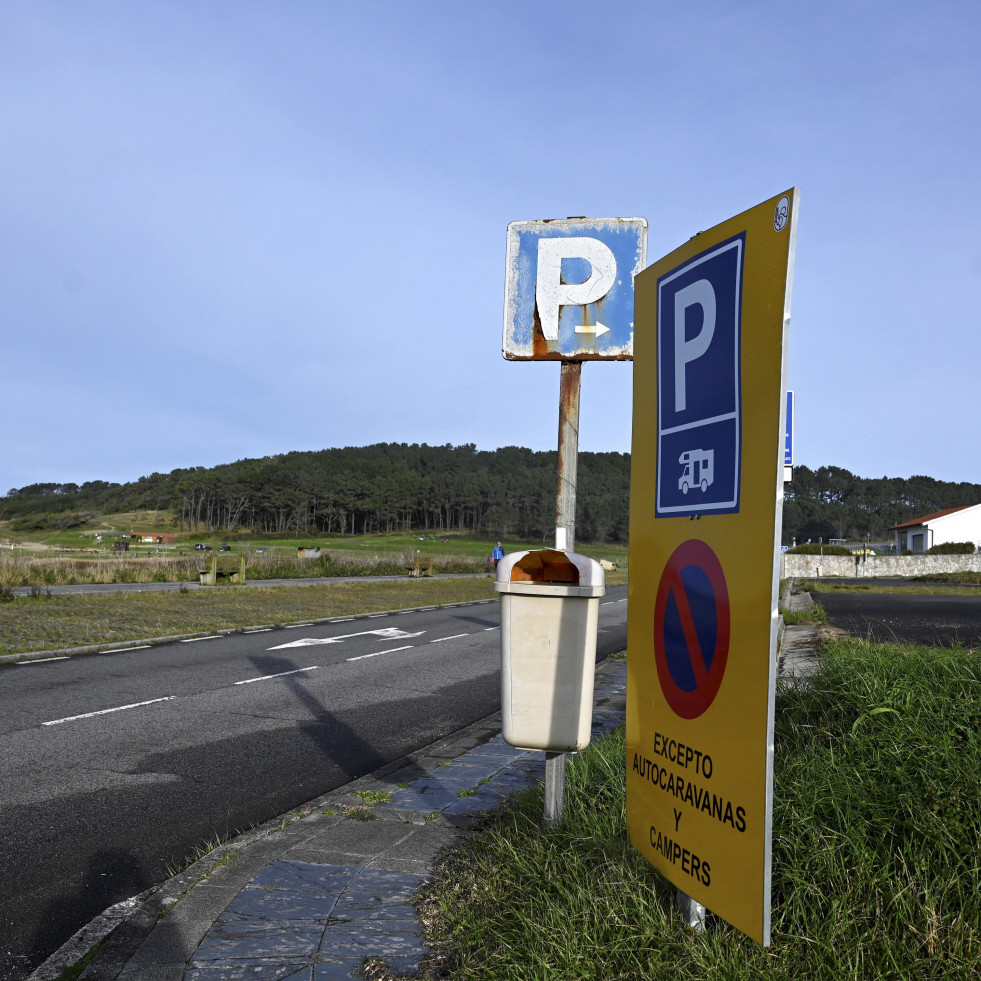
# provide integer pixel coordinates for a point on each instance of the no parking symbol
(691, 628)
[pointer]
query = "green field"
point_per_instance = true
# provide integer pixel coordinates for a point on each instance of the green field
(43, 624)
(46, 558)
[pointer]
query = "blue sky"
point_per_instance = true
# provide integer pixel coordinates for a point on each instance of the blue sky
(234, 229)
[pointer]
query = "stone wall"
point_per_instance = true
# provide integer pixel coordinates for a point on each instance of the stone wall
(882, 566)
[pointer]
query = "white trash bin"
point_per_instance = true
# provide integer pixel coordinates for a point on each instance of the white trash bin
(549, 619)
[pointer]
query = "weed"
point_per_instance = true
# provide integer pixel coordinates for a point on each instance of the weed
(814, 615)
(206, 847)
(75, 971)
(467, 793)
(361, 814)
(374, 796)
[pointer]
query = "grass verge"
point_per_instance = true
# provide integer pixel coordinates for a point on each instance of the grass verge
(41, 623)
(816, 614)
(875, 849)
(911, 589)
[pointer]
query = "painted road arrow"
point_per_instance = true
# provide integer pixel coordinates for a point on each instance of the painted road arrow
(388, 633)
(598, 329)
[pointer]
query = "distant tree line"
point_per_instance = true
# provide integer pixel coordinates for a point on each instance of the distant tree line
(503, 493)
(831, 502)
(388, 487)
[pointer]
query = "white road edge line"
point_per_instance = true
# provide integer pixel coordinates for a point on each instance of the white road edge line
(118, 708)
(41, 660)
(454, 637)
(361, 657)
(122, 650)
(491, 628)
(191, 640)
(266, 677)
(258, 630)
(375, 616)
(293, 626)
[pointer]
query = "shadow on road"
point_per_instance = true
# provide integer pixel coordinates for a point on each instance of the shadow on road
(110, 873)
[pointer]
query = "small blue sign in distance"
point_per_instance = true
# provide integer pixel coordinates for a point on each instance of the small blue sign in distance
(788, 444)
(569, 292)
(699, 397)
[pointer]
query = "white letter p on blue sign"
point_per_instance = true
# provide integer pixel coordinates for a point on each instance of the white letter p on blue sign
(551, 293)
(702, 293)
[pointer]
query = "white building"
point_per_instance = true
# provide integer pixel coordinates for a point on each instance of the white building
(961, 524)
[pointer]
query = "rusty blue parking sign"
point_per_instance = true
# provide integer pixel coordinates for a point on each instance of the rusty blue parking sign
(570, 288)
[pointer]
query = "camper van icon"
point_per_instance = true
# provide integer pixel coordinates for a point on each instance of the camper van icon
(699, 466)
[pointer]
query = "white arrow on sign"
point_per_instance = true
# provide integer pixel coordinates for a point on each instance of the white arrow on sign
(388, 633)
(598, 329)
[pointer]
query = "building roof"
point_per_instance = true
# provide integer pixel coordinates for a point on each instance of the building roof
(931, 517)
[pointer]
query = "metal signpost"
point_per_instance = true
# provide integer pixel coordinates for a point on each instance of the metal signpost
(569, 297)
(705, 513)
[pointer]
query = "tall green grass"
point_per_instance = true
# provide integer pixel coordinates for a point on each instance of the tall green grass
(33, 570)
(876, 864)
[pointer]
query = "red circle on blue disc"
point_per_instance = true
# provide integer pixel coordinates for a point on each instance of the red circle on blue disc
(691, 628)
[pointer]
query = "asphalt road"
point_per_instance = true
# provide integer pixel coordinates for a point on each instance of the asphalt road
(938, 621)
(116, 766)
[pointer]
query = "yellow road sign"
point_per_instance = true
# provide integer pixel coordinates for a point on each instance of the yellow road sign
(705, 512)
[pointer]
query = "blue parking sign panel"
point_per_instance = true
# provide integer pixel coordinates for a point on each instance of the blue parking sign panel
(699, 412)
(569, 288)
(788, 443)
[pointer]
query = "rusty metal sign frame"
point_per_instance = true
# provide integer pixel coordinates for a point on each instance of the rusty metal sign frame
(569, 288)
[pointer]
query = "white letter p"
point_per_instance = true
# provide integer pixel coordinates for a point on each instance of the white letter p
(685, 351)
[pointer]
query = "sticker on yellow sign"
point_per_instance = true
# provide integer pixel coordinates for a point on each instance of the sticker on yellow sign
(705, 509)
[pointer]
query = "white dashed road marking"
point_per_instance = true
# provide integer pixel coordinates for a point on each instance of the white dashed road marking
(361, 657)
(281, 674)
(118, 708)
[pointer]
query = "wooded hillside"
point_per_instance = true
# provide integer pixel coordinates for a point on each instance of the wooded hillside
(503, 493)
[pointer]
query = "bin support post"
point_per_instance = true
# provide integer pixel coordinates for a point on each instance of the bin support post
(554, 788)
(570, 385)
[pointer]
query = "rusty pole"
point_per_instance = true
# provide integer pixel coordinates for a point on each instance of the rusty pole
(570, 384)
(565, 494)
